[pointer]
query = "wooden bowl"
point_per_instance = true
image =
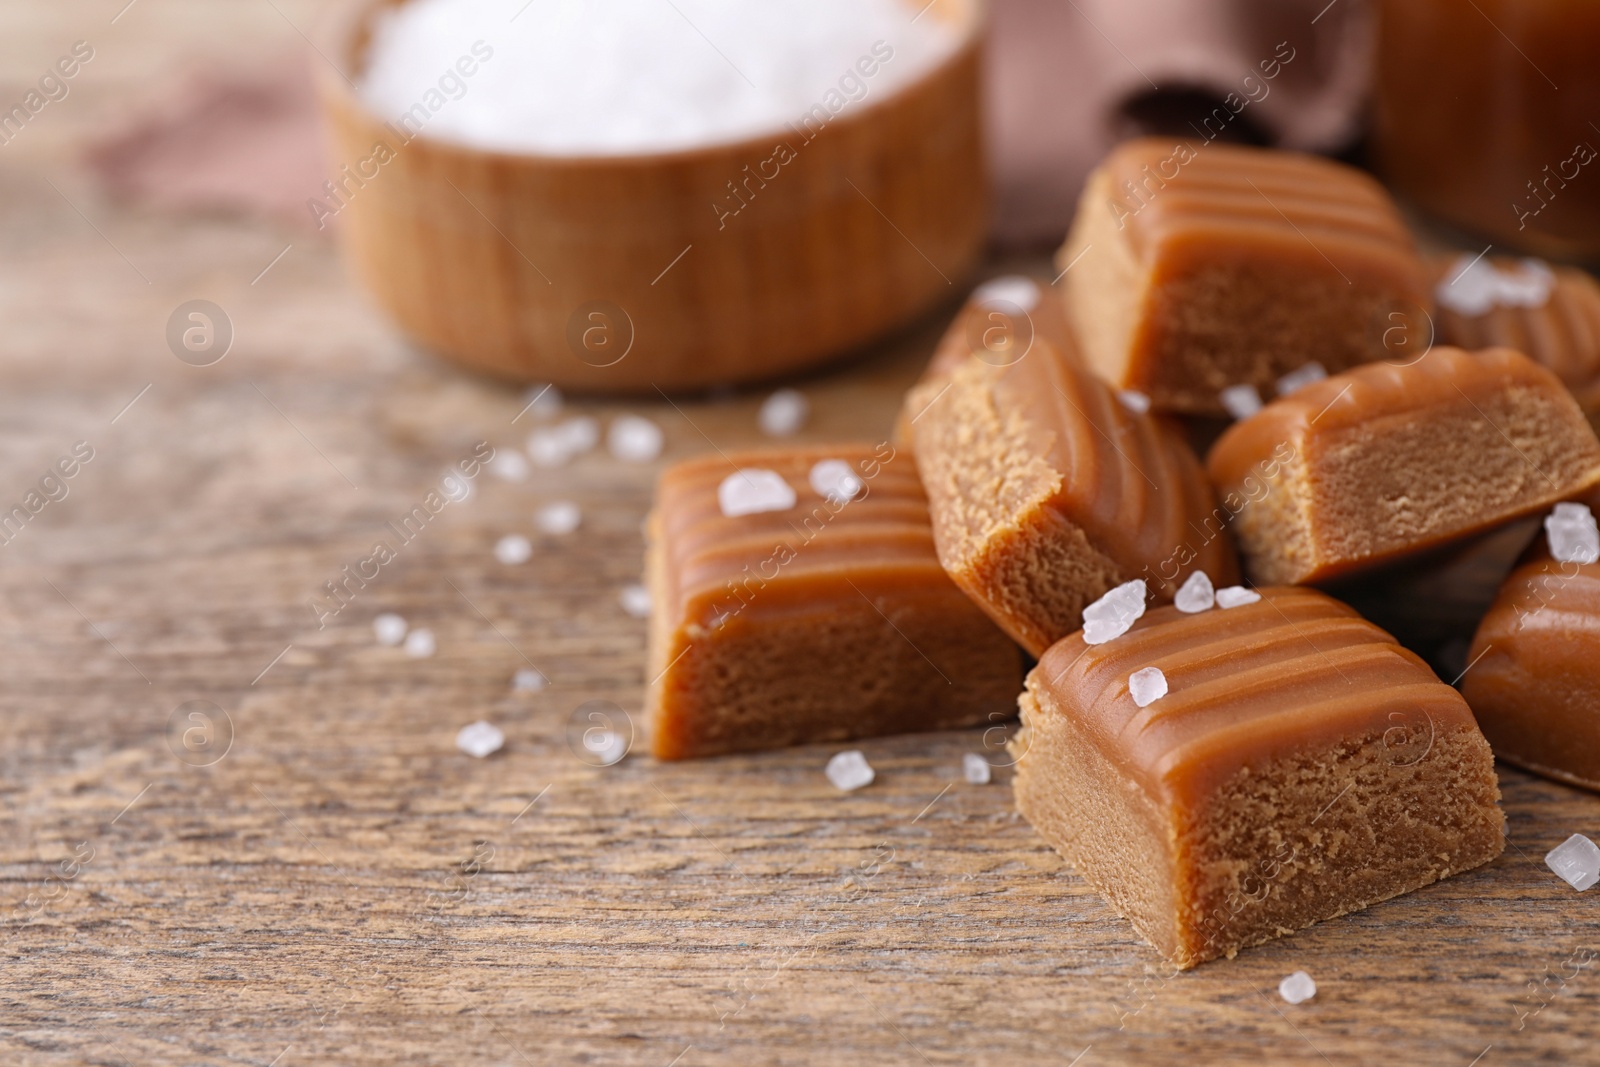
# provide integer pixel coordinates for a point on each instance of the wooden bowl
(631, 273)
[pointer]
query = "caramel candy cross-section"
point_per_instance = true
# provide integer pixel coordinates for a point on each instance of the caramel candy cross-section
(1047, 490)
(1385, 460)
(1300, 765)
(1199, 266)
(823, 618)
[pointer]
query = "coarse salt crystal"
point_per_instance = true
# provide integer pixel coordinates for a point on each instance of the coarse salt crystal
(753, 490)
(634, 439)
(389, 628)
(1572, 533)
(1134, 400)
(1010, 289)
(975, 769)
(1473, 285)
(1114, 613)
(833, 478)
(1236, 596)
(1297, 988)
(1301, 377)
(783, 413)
(1195, 594)
(527, 680)
(543, 401)
(556, 445)
(849, 770)
(635, 600)
(480, 739)
(512, 549)
(1241, 401)
(420, 643)
(561, 517)
(1576, 860)
(1147, 686)
(509, 465)
(608, 745)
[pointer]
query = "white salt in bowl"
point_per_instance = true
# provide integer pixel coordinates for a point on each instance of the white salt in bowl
(620, 274)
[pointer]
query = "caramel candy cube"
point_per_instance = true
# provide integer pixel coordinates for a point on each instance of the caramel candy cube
(1384, 461)
(1048, 490)
(1300, 765)
(797, 597)
(1549, 313)
(1199, 267)
(1533, 680)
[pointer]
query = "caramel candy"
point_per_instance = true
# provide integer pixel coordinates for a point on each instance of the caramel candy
(796, 597)
(1197, 268)
(1300, 765)
(1532, 680)
(1550, 314)
(1384, 461)
(1047, 490)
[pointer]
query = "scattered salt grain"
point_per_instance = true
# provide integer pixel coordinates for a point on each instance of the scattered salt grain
(634, 439)
(561, 517)
(543, 401)
(1301, 377)
(608, 746)
(389, 628)
(1147, 686)
(1241, 401)
(1112, 614)
(975, 769)
(1236, 596)
(1010, 290)
(509, 465)
(783, 413)
(1195, 594)
(554, 446)
(833, 478)
(635, 600)
(753, 490)
(480, 739)
(513, 549)
(1297, 988)
(1576, 860)
(527, 680)
(420, 644)
(1473, 285)
(1573, 535)
(1134, 400)
(849, 770)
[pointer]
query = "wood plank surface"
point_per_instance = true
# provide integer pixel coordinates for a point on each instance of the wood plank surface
(337, 884)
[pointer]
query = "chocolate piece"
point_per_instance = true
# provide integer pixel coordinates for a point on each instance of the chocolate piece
(1047, 490)
(1383, 461)
(1300, 765)
(1196, 268)
(1550, 314)
(1532, 679)
(821, 617)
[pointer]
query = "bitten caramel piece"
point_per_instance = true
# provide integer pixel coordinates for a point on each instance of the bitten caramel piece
(796, 597)
(1047, 490)
(1550, 314)
(1533, 680)
(1298, 764)
(1197, 268)
(1383, 461)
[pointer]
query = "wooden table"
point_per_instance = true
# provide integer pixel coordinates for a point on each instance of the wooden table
(336, 883)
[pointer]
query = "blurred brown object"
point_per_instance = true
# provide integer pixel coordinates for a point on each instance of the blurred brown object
(1487, 115)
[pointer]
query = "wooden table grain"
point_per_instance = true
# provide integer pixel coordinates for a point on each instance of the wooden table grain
(319, 876)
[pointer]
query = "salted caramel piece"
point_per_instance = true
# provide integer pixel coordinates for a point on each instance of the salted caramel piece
(1384, 461)
(1532, 678)
(797, 597)
(1194, 268)
(1300, 765)
(1047, 490)
(1549, 313)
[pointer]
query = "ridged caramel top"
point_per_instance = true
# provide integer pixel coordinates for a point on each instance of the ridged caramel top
(1444, 376)
(1230, 192)
(1562, 334)
(1295, 670)
(884, 527)
(1128, 479)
